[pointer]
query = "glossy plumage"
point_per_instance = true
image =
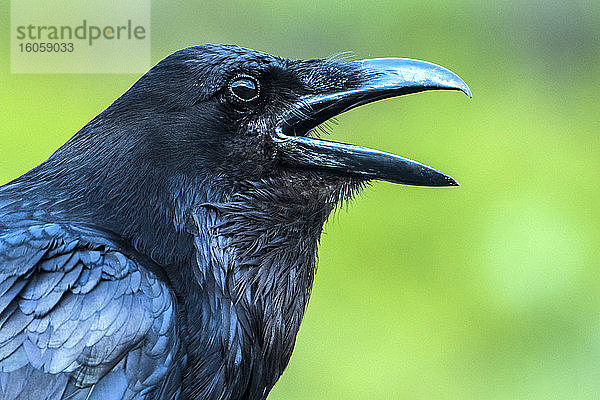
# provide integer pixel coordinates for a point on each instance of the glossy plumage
(146, 259)
(79, 318)
(168, 249)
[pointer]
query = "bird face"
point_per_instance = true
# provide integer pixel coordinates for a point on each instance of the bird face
(242, 115)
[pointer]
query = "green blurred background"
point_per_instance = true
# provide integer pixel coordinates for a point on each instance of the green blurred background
(486, 291)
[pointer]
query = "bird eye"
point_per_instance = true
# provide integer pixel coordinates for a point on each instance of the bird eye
(244, 88)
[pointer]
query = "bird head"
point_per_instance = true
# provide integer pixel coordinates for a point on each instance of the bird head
(218, 123)
(239, 115)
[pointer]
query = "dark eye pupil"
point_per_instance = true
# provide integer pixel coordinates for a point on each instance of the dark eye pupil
(245, 89)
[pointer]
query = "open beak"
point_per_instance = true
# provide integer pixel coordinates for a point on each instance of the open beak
(388, 77)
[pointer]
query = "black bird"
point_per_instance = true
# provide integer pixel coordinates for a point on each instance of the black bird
(167, 250)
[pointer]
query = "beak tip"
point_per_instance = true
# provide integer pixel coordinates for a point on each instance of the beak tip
(449, 181)
(461, 85)
(465, 89)
(431, 177)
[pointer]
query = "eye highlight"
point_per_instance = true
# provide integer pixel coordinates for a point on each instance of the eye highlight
(244, 88)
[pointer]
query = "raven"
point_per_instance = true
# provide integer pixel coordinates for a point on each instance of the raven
(167, 250)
